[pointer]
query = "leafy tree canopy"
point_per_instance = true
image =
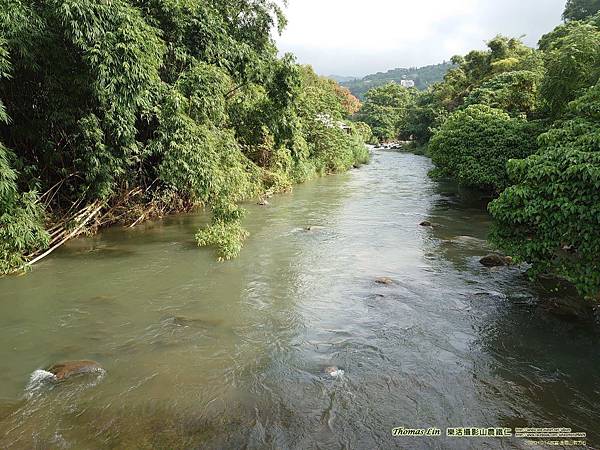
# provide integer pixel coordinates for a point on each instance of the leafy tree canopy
(580, 9)
(385, 110)
(475, 143)
(551, 215)
(514, 92)
(572, 60)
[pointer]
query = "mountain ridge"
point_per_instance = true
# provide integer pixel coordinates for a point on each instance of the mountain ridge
(422, 76)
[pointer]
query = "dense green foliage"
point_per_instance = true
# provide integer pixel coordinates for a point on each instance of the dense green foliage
(422, 76)
(479, 113)
(21, 229)
(184, 99)
(475, 143)
(385, 110)
(506, 76)
(581, 9)
(515, 92)
(572, 62)
(550, 217)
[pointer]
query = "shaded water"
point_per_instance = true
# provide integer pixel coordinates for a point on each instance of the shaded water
(200, 354)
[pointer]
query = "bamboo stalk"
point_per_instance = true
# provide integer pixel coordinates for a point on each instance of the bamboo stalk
(137, 221)
(65, 239)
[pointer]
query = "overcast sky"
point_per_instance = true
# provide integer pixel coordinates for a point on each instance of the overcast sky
(358, 37)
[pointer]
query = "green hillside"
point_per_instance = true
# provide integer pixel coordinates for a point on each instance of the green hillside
(422, 76)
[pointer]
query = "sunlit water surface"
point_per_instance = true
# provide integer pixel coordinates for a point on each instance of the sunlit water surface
(202, 354)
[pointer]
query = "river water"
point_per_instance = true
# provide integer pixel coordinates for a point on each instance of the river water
(202, 354)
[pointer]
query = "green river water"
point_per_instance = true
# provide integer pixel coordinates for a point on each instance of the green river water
(202, 354)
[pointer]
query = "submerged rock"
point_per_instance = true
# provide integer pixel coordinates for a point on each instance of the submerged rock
(384, 280)
(334, 372)
(65, 370)
(313, 228)
(182, 321)
(495, 260)
(426, 223)
(263, 202)
(570, 308)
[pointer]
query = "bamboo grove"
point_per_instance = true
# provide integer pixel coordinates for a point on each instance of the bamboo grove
(119, 111)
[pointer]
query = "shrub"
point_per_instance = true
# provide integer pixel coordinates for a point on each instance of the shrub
(474, 145)
(551, 216)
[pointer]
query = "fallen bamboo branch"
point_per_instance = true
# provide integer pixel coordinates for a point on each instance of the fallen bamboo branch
(68, 236)
(137, 221)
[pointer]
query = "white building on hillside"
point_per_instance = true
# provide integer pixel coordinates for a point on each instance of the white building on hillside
(407, 83)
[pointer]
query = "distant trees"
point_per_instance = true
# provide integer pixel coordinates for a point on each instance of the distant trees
(504, 55)
(349, 102)
(514, 92)
(385, 110)
(422, 76)
(423, 116)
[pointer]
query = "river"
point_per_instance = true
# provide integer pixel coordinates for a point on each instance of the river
(202, 354)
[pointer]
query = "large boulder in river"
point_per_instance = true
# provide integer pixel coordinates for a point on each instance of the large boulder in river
(65, 370)
(495, 260)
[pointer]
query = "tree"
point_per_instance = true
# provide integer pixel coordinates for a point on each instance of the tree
(514, 92)
(474, 144)
(580, 9)
(550, 217)
(385, 109)
(349, 102)
(423, 116)
(479, 66)
(572, 60)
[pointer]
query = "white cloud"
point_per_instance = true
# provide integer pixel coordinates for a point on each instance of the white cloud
(352, 37)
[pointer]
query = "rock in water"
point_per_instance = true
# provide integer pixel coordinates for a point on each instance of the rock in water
(570, 308)
(426, 223)
(65, 370)
(181, 321)
(384, 280)
(334, 372)
(494, 260)
(314, 228)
